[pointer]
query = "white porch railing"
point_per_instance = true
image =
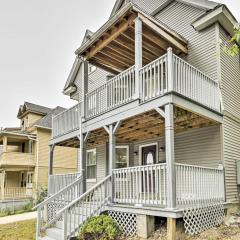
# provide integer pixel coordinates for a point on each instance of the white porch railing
(168, 73)
(16, 193)
(154, 79)
(140, 185)
(195, 85)
(59, 181)
(66, 121)
(117, 91)
(147, 185)
(196, 185)
(89, 204)
(186, 80)
(47, 210)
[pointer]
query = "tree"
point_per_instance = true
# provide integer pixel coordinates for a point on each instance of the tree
(235, 40)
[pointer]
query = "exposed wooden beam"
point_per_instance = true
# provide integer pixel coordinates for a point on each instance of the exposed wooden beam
(109, 52)
(114, 34)
(107, 68)
(164, 34)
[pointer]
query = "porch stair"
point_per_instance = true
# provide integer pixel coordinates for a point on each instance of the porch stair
(64, 222)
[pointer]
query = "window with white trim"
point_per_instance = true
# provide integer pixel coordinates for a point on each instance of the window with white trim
(122, 156)
(91, 164)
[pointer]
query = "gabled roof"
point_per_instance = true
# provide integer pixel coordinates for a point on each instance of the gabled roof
(34, 108)
(70, 87)
(203, 4)
(46, 122)
(220, 14)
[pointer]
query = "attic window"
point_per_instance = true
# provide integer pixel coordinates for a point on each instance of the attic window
(92, 69)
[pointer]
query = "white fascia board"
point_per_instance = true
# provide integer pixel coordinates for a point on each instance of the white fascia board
(201, 4)
(72, 75)
(69, 90)
(221, 15)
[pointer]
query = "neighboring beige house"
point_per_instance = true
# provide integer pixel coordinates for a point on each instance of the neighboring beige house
(24, 154)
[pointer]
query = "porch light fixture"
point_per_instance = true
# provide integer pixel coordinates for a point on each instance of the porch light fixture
(136, 153)
(162, 149)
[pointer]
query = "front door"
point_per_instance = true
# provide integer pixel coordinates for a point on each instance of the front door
(29, 183)
(149, 157)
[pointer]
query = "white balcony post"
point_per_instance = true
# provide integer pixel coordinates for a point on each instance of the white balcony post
(83, 163)
(138, 55)
(4, 144)
(170, 69)
(112, 148)
(50, 163)
(84, 88)
(170, 156)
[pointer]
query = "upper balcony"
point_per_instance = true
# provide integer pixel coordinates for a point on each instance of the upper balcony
(165, 75)
(11, 159)
(147, 60)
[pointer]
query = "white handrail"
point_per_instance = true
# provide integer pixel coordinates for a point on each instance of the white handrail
(141, 185)
(56, 202)
(88, 204)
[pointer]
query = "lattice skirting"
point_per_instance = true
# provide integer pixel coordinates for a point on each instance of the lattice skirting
(127, 222)
(200, 218)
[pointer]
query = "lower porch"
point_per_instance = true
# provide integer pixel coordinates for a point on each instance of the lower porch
(16, 185)
(136, 153)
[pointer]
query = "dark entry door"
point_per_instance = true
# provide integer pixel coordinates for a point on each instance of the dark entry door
(149, 157)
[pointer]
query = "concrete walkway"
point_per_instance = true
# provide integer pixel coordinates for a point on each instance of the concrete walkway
(18, 218)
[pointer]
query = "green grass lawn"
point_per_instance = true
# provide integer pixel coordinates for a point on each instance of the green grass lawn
(25, 230)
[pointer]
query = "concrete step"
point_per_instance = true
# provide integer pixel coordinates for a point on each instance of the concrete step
(47, 238)
(55, 233)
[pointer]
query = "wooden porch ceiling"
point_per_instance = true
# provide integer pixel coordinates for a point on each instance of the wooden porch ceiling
(113, 49)
(146, 126)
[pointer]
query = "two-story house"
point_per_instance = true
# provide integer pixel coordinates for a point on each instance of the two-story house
(25, 152)
(157, 124)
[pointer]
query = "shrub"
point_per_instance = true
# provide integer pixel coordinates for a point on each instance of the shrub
(41, 196)
(99, 228)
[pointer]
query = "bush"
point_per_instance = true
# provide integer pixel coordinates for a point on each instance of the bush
(99, 228)
(41, 196)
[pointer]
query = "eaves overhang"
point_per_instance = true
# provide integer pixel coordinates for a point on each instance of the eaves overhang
(220, 14)
(112, 46)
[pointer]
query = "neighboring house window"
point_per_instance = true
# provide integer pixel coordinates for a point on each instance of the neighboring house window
(91, 69)
(122, 156)
(91, 164)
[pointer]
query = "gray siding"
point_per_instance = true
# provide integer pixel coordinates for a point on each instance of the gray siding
(96, 79)
(195, 147)
(231, 154)
(200, 147)
(230, 83)
(202, 45)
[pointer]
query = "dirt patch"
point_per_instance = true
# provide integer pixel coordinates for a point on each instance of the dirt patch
(221, 233)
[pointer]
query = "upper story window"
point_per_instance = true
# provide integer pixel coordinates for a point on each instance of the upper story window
(91, 164)
(91, 69)
(122, 156)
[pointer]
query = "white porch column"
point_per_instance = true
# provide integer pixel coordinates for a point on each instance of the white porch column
(3, 175)
(170, 156)
(50, 162)
(5, 144)
(138, 54)
(112, 148)
(84, 88)
(83, 162)
(170, 69)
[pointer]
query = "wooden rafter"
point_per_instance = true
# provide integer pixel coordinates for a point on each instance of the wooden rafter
(109, 38)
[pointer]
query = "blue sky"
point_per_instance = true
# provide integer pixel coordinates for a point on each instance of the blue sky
(38, 39)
